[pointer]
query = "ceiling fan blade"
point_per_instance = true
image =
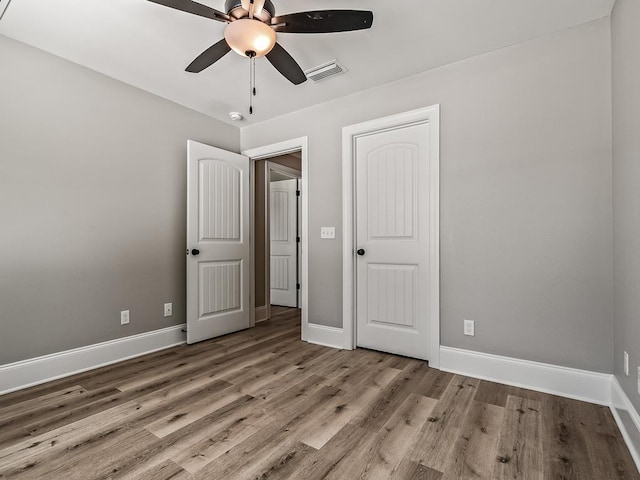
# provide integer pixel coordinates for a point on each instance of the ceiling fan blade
(210, 56)
(195, 8)
(286, 65)
(323, 21)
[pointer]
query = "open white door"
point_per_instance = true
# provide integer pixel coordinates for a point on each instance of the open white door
(219, 255)
(283, 233)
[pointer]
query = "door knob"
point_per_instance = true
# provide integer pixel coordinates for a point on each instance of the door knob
(361, 251)
(195, 252)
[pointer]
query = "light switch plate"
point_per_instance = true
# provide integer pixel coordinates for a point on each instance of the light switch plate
(328, 233)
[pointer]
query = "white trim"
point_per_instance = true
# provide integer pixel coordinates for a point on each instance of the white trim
(567, 382)
(326, 336)
(301, 144)
(252, 247)
(349, 135)
(284, 170)
(26, 373)
(261, 313)
(627, 418)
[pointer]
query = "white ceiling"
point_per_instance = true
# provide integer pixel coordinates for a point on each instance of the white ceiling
(149, 46)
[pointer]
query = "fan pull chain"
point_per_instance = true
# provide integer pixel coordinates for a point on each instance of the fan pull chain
(252, 82)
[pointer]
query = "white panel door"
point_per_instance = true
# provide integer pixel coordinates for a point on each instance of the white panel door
(392, 241)
(218, 263)
(283, 232)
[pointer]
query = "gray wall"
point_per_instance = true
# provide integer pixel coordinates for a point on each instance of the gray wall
(526, 247)
(626, 188)
(92, 204)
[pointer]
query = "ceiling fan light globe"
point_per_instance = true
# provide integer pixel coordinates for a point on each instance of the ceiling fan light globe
(246, 35)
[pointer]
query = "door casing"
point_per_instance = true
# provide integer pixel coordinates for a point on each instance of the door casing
(300, 144)
(429, 115)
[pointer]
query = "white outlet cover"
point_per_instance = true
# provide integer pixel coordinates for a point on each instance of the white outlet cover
(470, 328)
(168, 309)
(638, 379)
(626, 363)
(124, 317)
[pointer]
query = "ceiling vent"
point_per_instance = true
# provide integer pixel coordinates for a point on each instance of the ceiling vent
(325, 71)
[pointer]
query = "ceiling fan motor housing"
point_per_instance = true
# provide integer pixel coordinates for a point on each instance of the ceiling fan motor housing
(253, 35)
(234, 9)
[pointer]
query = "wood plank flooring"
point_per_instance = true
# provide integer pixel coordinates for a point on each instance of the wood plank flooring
(261, 404)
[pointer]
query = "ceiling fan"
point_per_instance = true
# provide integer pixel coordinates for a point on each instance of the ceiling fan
(252, 26)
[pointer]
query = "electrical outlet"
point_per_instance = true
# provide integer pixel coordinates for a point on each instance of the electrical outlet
(626, 363)
(168, 309)
(470, 328)
(638, 379)
(124, 317)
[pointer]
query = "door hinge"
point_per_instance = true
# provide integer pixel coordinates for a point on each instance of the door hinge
(297, 239)
(297, 286)
(297, 193)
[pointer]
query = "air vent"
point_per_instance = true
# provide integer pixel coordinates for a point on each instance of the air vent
(325, 70)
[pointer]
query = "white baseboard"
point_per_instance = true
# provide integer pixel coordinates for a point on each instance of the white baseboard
(326, 336)
(26, 373)
(627, 419)
(582, 385)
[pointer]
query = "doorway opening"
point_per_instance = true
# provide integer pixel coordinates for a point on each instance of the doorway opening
(277, 225)
(280, 226)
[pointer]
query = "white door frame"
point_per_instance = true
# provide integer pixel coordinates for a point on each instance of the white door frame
(264, 153)
(350, 134)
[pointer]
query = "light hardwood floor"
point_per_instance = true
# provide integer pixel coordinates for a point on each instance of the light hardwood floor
(261, 404)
